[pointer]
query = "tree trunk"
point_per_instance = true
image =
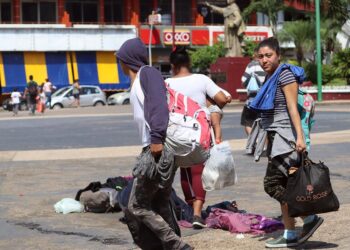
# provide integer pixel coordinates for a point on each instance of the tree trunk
(300, 55)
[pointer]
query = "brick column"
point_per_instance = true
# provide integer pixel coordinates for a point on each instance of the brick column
(60, 10)
(102, 11)
(135, 12)
(127, 11)
(155, 4)
(16, 11)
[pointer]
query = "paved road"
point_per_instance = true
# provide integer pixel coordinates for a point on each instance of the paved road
(28, 189)
(111, 129)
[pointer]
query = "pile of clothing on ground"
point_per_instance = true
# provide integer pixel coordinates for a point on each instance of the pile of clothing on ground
(113, 196)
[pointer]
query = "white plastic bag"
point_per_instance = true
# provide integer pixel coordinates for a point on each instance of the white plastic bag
(68, 205)
(219, 170)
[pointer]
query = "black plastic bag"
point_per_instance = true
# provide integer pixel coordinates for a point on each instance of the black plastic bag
(309, 190)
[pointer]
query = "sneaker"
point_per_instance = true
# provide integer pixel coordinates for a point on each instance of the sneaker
(198, 222)
(310, 228)
(281, 242)
(187, 247)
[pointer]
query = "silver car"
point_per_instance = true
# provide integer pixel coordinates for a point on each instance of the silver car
(121, 98)
(89, 96)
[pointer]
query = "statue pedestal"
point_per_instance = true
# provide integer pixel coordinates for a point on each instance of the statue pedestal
(227, 72)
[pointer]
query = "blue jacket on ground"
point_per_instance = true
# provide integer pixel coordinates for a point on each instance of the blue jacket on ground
(264, 100)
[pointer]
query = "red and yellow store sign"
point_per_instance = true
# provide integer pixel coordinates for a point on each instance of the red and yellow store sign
(182, 37)
(196, 36)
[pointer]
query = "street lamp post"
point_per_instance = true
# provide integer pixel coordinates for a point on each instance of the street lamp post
(150, 45)
(153, 19)
(173, 20)
(318, 52)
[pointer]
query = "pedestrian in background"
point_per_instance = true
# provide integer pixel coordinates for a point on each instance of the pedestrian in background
(47, 88)
(41, 104)
(76, 93)
(32, 93)
(149, 197)
(253, 69)
(285, 143)
(197, 87)
(16, 100)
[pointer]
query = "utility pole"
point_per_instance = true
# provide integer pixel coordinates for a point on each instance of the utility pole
(150, 44)
(173, 20)
(318, 51)
(153, 19)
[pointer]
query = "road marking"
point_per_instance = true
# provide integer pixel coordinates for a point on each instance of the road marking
(342, 136)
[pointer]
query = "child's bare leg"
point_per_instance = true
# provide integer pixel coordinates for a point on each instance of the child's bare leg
(215, 120)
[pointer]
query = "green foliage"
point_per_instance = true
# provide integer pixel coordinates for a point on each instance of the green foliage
(311, 72)
(337, 82)
(248, 47)
(334, 14)
(341, 63)
(293, 62)
(328, 73)
(268, 7)
(336, 10)
(203, 57)
(302, 33)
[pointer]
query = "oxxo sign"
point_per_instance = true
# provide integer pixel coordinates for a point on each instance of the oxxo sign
(182, 37)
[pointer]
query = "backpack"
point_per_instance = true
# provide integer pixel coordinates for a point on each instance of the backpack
(33, 88)
(306, 108)
(188, 133)
(102, 198)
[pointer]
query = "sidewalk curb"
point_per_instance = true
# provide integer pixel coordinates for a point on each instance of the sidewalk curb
(342, 136)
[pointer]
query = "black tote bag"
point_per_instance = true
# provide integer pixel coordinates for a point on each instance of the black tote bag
(309, 190)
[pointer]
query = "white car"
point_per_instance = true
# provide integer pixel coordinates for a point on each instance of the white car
(89, 96)
(121, 98)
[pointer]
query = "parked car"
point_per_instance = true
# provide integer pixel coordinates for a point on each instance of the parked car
(89, 96)
(121, 98)
(7, 104)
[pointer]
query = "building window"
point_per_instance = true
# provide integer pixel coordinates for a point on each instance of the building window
(82, 11)
(165, 11)
(113, 11)
(39, 11)
(146, 8)
(5, 12)
(30, 12)
(183, 12)
(47, 12)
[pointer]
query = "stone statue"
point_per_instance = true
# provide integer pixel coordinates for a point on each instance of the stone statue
(234, 27)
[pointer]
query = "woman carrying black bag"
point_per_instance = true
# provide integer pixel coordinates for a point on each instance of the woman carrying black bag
(285, 143)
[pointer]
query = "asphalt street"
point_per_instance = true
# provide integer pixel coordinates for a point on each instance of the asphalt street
(29, 188)
(114, 129)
